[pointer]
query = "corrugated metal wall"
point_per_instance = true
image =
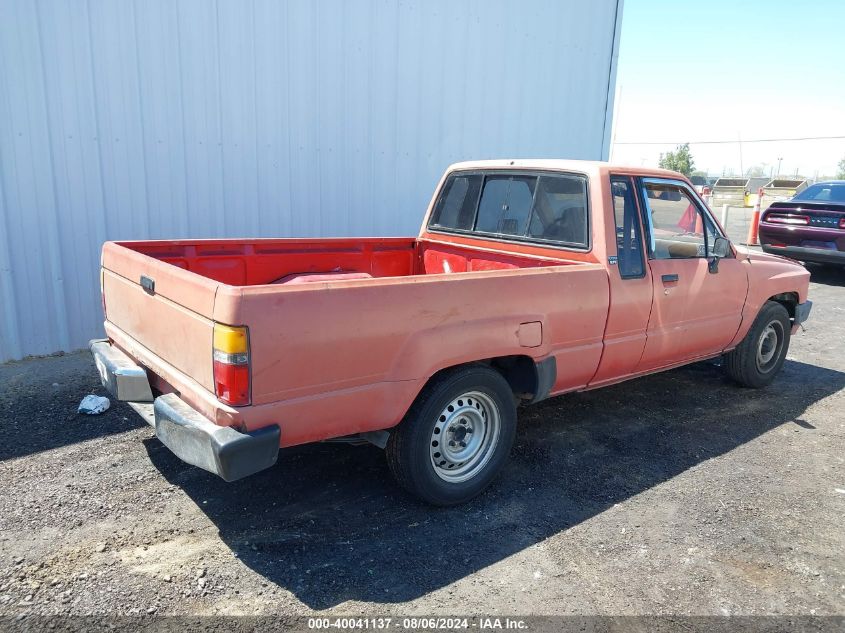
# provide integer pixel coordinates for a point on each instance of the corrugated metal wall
(195, 118)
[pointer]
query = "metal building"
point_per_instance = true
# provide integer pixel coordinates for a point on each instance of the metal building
(126, 119)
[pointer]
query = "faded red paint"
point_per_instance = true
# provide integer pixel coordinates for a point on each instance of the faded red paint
(342, 353)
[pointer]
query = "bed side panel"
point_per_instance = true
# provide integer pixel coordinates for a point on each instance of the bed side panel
(322, 342)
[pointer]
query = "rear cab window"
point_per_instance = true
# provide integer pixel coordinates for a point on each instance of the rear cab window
(546, 208)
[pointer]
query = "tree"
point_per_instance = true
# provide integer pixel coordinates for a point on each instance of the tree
(679, 160)
(840, 174)
(755, 171)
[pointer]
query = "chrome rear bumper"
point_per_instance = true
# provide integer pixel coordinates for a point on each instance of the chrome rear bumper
(191, 436)
(218, 449)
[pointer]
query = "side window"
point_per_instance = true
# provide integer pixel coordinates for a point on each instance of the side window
(505, 204)
(456, 207)
(629, 247)
(560, 210)
(680, 230)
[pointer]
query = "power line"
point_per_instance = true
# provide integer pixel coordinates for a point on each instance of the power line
(733, 141)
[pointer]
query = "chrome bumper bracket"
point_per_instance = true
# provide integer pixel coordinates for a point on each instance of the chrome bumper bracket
(124, 379)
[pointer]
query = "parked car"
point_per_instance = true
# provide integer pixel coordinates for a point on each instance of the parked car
(528, 279)
(810, 227)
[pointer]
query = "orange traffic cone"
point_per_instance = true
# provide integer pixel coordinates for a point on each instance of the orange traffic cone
(753, 230)
(707, 194)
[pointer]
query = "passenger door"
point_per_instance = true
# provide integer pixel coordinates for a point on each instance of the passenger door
(695, 311)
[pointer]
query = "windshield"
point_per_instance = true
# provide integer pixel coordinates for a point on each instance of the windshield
(824, 192)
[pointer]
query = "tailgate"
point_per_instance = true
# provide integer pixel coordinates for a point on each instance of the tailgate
(171, 317)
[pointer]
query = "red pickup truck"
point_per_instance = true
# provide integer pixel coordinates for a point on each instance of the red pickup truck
(528, 279)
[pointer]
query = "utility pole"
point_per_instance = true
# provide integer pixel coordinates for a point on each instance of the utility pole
(779, 161)
(741, 170)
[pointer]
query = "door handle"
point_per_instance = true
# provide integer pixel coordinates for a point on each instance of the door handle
(669, 278)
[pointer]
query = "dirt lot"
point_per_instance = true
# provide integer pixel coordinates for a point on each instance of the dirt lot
(678, 493)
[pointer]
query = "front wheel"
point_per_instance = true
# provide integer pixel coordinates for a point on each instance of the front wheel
(758, 358)
(456, 437)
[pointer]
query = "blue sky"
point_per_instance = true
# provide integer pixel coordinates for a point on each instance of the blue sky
(718, 70)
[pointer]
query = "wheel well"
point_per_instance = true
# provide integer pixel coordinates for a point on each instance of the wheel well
(520, 372)
(529, 380)
(788, 300)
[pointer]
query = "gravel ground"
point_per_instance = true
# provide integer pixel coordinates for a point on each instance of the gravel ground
(677, 493)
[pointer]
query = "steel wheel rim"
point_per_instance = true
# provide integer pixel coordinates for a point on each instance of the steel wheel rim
(769, 345)
(465, 436)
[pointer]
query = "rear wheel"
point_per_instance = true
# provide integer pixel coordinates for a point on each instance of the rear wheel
(758, 358)
(456, 437)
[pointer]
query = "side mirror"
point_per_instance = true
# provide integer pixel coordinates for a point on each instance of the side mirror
(721, 248)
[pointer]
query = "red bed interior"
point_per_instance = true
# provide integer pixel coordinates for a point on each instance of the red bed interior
(257, 262)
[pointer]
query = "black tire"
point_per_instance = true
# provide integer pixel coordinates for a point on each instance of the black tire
(754, 362)
(429, 426)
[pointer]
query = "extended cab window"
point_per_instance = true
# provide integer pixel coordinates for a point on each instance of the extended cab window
(544, 208)
(629, 247)
(679, 228)
(458, 201)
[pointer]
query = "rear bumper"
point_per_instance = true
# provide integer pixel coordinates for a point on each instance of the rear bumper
(218, 449)
(804, 254)
(192, 437)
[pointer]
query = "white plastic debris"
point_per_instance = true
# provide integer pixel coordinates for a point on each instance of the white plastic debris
(93, 405)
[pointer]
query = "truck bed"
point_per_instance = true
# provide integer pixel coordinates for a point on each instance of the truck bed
(272, 261)
(387, 315)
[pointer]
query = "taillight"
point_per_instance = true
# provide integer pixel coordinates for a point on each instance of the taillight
(787, 218)
(231, 364)
(842, 223)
